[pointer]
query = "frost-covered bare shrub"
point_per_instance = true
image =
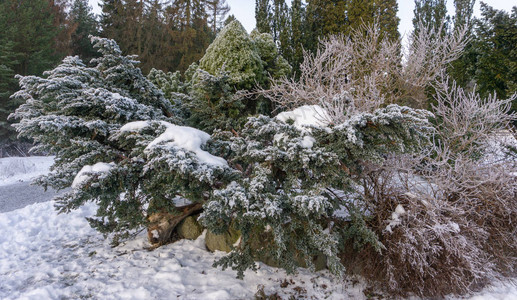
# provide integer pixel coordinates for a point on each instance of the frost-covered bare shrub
(427, 55)
(363, 71)
(447, 217)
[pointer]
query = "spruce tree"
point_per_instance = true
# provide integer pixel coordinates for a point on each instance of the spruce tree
(85, 23)
(430, 14)
(217, 10)
(263, 15)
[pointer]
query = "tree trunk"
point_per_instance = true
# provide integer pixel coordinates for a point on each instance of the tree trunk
(162, 224)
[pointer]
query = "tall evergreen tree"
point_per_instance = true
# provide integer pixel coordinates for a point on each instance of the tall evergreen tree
(386, 15)
(85, 23)
(461, 69)
(464, 10)
(430, 13)
(263, 16)
(34, 36)
(112, 18)
(8, 85)
(495, 66)
(217, 10)
(297, 16)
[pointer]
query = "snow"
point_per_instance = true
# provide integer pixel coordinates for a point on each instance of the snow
(45, 255)
(497, 144)
(85, 173)
(51, 256)
(22, 169)
(307, 115)
(395, 217)
(308, 142)
(187, 138)
(134, 126)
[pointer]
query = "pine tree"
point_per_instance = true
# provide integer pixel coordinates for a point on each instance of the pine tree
(386, 15)
(430, 14)
(85, 23)
(217, 9)
(263, 16)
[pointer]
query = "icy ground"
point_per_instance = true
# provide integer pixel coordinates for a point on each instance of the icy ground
(44, 255)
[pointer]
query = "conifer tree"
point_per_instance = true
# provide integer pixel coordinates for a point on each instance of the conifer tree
(297, 15)
(34, 37)
(263, 15)
(8, 85)
(285, 202)
(495, 66)
(430, 14)
(85, 23)
(386, 16)
(116, 144)
(217, 9)
(462, 69)
(463, 15)
(230, 19)
(234, 52)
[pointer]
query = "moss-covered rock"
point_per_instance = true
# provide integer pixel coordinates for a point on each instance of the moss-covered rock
(221, 242)
(190, 228)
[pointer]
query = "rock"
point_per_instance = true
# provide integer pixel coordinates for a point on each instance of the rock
(189, 228)
(259, 242)
(222, 242)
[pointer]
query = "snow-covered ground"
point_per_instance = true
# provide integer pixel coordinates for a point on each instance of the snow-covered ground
(48, 256)
(44, 255)
(23, 169)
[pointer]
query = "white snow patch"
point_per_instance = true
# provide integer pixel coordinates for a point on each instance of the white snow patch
(19, 169)
(395, 218)
(497, 146)
(134, 126)
(85, 173)
(307, 115)
(308, 141)
(190, 139)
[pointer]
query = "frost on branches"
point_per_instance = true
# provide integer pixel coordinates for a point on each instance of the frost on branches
(296, 176)
(115, 143)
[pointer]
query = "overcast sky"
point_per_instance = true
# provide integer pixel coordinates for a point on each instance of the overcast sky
(244, 11)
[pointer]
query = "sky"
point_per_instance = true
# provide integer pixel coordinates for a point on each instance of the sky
(244, 11)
